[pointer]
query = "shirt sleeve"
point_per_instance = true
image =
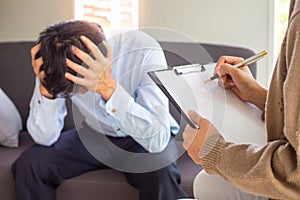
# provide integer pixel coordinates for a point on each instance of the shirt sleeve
(46, 117)
(271, 170)
(150, 128)
(144, 115)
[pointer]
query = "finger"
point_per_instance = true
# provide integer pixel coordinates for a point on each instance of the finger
(109, 51)
(77, 68)
(226, 82)
(219, 63)
(93, 48)
(188, 132)
(34, 50)
(41, 75)
(246, 69)
(84, 57)
(75, 79)
(227, 69)
(229, 84)
(37, 64)
(221, 82)
(227, 59)
(185, 145)
(188, 137)
(194, 116)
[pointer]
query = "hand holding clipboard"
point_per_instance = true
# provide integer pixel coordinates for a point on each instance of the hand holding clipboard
(194, 76)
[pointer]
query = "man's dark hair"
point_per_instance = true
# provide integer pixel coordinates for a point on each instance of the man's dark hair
(56, 42)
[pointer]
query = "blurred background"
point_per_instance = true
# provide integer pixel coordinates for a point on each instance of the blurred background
(256, 24)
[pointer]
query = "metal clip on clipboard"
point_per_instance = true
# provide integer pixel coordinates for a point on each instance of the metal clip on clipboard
(187, 69)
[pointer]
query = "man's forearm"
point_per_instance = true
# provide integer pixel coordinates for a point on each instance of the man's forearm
(46, 117)
(150, 128)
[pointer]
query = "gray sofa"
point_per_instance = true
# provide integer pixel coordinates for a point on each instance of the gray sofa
(17, 81)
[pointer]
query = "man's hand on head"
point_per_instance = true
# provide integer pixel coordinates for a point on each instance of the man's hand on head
(97, 77)
(44, 92)
(36, 65)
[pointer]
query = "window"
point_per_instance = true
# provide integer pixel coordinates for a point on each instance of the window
(281, 21)
(279, 10)
(108, 13)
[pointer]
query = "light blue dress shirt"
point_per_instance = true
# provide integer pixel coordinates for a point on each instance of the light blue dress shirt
(137, 107)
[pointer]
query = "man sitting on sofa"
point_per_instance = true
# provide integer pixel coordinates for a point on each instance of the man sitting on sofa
(118, 101)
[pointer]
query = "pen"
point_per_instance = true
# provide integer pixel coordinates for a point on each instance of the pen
(247, 61)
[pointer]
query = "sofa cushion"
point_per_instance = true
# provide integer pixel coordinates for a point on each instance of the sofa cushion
(98, 184)
(111, 184)
(10, 122)
(8, 156)
(107, 183)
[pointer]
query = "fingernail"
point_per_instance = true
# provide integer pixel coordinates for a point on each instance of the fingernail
(190, 112)
(82, 37)
(72, 48)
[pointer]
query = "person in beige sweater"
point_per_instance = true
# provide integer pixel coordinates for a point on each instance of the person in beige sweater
(271, 171)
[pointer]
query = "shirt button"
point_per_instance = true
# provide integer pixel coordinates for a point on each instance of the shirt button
(118, 129)
(39, 102)
(113, 110)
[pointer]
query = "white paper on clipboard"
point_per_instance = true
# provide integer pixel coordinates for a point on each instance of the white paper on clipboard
(236, 120)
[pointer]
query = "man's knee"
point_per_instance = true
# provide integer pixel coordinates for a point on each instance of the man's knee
(167, 173)
(29, 162)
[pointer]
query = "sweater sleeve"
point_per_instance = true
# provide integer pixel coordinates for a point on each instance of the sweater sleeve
(272, 170)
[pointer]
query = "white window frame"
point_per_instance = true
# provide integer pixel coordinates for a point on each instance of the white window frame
(115, 22)
(273, 37)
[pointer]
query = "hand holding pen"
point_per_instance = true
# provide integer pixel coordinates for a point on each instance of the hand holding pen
(239, 62)
(240, 80)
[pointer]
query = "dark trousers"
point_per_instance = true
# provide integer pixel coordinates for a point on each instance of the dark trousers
(40, 170)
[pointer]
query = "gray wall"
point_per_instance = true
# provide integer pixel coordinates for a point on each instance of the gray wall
(24, 19)
(239, 22)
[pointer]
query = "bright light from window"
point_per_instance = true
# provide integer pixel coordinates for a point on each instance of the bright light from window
(281, 19)
(109, 13)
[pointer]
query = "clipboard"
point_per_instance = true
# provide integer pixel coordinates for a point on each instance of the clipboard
(181, 70)
(184, 86)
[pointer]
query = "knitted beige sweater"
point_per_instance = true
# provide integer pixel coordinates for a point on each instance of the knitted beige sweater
(272, 170)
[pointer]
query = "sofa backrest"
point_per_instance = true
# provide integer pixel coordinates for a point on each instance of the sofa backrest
(183, 53)
(17, 77)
